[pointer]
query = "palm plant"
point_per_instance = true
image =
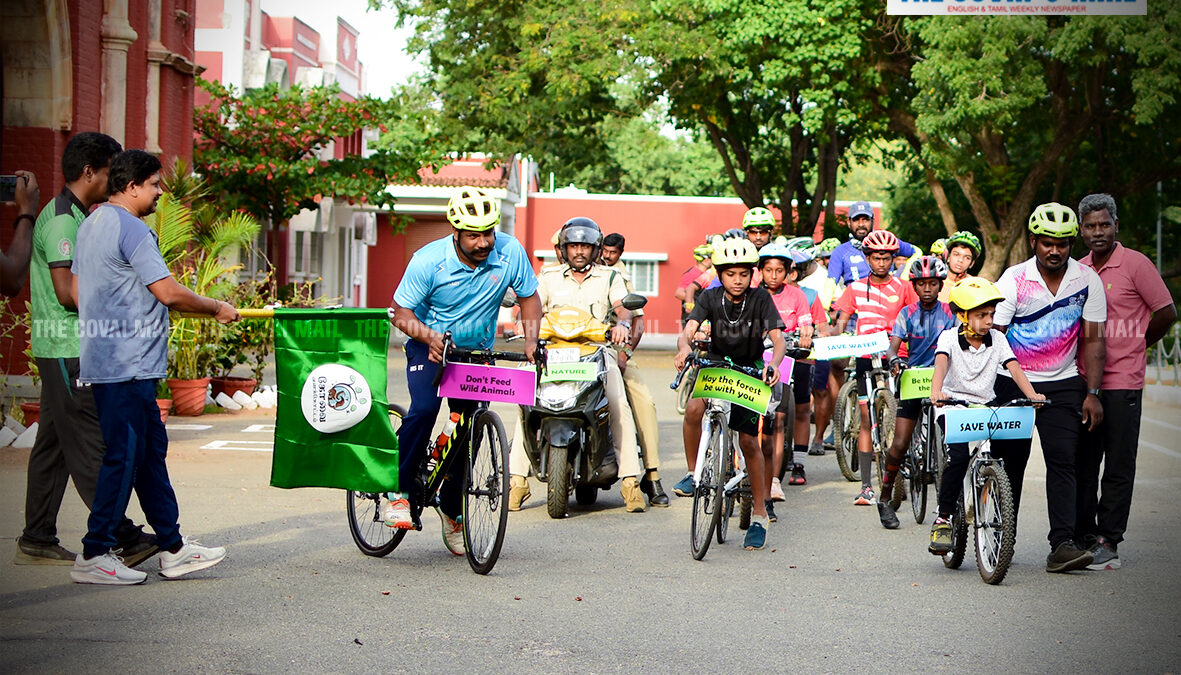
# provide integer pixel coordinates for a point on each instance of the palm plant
(194, 239)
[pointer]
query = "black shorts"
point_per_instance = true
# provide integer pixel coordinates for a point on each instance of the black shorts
(863, 367)
(743, 421)
(911, 409)
(801, 382)
(820, 372)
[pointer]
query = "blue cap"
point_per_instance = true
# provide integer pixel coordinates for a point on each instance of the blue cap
(859, 209)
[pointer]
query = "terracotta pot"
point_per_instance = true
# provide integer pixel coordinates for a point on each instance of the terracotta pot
(232, 384)
(32, 412)
(188, 396)
(165, 404)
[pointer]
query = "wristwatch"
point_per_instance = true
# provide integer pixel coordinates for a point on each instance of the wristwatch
(1094, 392)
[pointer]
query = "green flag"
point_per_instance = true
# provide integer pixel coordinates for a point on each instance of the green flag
(332, 428)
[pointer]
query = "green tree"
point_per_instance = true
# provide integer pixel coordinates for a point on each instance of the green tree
(261, 151)
(1015, 110)
(776, 87)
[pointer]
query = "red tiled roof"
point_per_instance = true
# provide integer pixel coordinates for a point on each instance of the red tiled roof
(462, 172)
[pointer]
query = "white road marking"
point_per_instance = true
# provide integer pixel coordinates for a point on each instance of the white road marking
(1161, 449)
(259, 429)
(249, 446)
(1163, 424)
(190, 427)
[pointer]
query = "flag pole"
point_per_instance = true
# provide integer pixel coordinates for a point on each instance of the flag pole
(247, 313)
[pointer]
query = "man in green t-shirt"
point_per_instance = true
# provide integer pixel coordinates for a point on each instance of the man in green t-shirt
(69, 441)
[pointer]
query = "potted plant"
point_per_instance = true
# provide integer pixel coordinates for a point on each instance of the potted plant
(248, 342)
(163, 399)
(193, 239)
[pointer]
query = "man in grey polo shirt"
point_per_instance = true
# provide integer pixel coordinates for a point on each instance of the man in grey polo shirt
(123, 292)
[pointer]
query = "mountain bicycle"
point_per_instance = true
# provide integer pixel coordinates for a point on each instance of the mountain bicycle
(846, 421)
(719, 475)
(924, 461)
(986, 501)
(479, 437)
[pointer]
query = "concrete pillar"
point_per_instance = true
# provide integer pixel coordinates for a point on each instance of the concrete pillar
(157, 52)
(117, 36)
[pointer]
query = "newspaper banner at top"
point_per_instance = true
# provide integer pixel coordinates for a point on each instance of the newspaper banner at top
(1017, 7)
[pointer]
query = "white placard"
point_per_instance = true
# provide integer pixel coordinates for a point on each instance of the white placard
(842, 346)
(563, 354)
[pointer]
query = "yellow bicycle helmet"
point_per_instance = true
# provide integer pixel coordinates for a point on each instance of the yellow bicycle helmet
(702, 252)
(473, 209)
(1053, 220)
(733, 252)
(758, 217)
(973, 292)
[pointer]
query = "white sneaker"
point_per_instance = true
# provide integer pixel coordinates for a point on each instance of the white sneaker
(776, 490)
(396, 514)
(452, 533)
(107, 568)
(192, 557)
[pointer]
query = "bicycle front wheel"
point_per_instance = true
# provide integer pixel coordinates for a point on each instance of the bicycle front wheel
(485, 495)
(916, 479)
(685, 390)
(707, 502)
(996, 531)
(846, 423)
(885, 408)
(726, 471)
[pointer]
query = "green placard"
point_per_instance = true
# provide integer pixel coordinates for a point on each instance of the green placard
(915, 383)
(729, 385)
(570, 372)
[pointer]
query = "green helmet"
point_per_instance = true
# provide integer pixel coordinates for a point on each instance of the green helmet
(966, 239)
(758, 217)
(799, 243)
(825, 248)
(1053, 220)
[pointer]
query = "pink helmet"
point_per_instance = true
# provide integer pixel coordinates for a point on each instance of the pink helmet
(880, 240)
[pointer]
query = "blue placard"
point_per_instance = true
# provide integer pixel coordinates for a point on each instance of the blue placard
(977, 424)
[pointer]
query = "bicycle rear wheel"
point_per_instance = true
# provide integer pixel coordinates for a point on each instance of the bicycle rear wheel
(846, 423)
(959, 538)
(996, 531)
(363, 511)
(485, 494)
(707, 505)
(369, 531)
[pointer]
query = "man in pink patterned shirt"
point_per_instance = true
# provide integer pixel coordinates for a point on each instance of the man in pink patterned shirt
(1140, 311)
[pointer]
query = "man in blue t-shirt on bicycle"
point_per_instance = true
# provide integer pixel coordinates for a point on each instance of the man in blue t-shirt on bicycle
(453, 284)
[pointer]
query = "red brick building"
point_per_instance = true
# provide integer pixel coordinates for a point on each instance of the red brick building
(122, 67)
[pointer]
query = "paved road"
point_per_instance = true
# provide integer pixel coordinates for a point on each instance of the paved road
(603, 590)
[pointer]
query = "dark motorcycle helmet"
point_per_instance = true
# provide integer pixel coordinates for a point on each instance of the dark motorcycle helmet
(581, 231)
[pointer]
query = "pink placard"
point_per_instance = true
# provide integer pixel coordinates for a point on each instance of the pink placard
(489, 383)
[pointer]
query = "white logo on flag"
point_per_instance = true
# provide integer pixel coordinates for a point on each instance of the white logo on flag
(335, 398)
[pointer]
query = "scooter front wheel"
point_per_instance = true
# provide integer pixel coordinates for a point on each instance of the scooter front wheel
(557, 490)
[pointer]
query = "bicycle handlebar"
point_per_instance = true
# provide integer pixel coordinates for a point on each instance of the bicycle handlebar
(473, 356)
(1017, 402)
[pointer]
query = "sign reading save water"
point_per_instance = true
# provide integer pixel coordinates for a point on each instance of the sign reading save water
(737, 388)
(977, 424)
(844, 346)
(473, 382)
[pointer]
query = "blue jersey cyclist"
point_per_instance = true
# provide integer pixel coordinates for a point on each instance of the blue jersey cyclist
(848, 262)
(453, 284)
(919, 324)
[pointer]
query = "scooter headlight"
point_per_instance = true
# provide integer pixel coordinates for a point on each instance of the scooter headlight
(557, 395)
